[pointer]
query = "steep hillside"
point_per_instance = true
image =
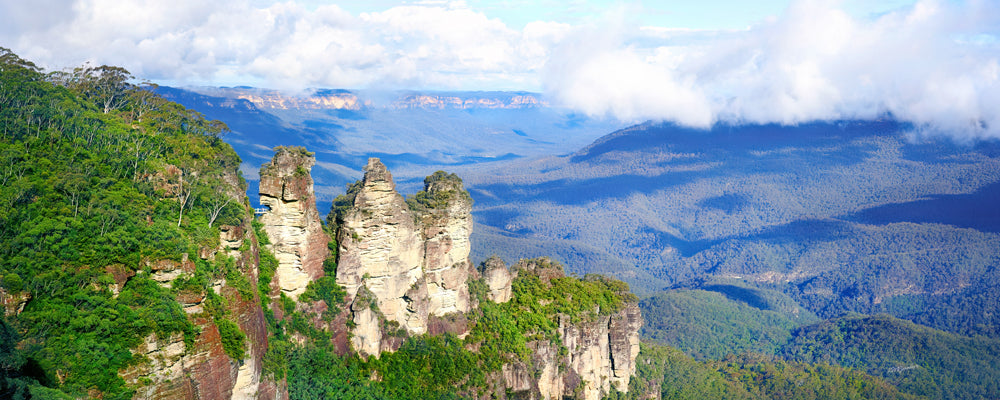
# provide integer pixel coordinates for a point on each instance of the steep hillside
(727, 320)
(917, 359)
(127, 260)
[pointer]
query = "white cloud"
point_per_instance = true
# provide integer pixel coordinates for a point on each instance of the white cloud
(934, 64)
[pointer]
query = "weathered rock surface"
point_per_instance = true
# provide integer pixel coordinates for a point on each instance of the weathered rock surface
(498, 279)
(203, 370)
(446, 230)
(601, 353)
(414, 263)
(13, 303)
(292, 222)
(381, 248)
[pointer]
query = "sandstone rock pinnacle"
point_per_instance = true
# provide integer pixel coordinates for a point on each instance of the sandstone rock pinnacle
(413, 256)
(292, 222)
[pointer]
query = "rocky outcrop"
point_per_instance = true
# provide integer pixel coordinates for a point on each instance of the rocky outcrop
(446, 218)
(291, 221)
(498, 279)
(600, 353)
(202, 369)
(13, 302)
(381, 248)
(413, 258)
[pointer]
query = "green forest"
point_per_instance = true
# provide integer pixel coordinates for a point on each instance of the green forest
(99, 179)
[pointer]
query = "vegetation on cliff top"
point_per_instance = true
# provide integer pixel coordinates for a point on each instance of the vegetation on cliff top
(98, 176)
(439, 189)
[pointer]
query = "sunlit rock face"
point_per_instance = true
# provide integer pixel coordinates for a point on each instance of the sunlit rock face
(446, 230)
(381, 247)
(498, 279)
(413, 261)
(600, 353)
(291, 221)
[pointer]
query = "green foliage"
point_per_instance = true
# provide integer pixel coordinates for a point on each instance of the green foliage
(233, 339)
(341, 204)
(678, 376)
(96, 173)
(427, 367)
(424, 367)
(439, 189)
(12, 283)
(234, 277)
(316, 372)
(541, 296)
(275, 363)
(295, 150)
(441, 176)
(918, 359)
(710, 325)
(499, 337)
(266, 267)
(424, 200)
(326, 289)
(287, 304)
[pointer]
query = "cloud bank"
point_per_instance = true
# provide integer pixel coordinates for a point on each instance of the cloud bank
(934, 64)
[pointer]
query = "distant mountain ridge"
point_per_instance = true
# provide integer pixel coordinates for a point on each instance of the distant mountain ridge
(341, 99)
(411, 132)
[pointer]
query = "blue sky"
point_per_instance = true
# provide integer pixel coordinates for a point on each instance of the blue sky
(935, 63)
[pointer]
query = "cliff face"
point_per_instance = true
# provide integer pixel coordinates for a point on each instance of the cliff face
(447, 225)
(498, 280)
(381, 248)
(203, 370)
(600, 354)
(292, 222)
(415, 264)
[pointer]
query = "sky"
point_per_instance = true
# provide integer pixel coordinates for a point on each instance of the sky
(935, 63)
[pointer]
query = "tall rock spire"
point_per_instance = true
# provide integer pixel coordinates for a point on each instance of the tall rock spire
(291, 221)
(412, 256)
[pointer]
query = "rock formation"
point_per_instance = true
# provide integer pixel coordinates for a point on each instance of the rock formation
(600, 353)
(498, 279)
(13, 302)
(447, 225)
(404, 263)
(381, 248)
(414, 262)
(291, 221)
